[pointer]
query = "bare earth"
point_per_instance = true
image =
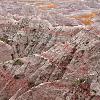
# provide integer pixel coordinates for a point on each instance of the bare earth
(49, 49)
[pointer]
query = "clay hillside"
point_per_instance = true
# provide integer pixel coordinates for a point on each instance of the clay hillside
(49, 49)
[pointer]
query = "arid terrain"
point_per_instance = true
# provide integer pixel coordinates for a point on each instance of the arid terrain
(49, 49)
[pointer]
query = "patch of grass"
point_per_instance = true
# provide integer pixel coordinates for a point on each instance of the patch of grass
(80, 81)
(4, 40)
(18, 62)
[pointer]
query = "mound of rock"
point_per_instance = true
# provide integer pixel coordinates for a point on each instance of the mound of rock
(50, 50)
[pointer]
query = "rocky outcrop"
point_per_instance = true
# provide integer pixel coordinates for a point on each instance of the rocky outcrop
(49, 50)
(6, 52)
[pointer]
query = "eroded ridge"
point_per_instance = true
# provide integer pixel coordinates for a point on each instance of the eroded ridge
(50, 50)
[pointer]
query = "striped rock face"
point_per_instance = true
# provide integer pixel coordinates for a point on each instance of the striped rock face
(6, 52)
(49, 50)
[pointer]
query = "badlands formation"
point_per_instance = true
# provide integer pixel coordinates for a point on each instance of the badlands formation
(49, 49)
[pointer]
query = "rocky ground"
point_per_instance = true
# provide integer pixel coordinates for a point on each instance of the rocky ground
(49, 49)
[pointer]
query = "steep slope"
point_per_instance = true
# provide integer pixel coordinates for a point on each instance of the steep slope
(49, 50)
